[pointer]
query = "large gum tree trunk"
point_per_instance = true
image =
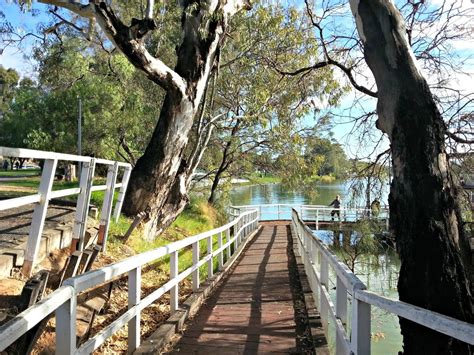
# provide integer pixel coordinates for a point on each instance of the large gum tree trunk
(157, 181)
(158, 184)
(424, 214)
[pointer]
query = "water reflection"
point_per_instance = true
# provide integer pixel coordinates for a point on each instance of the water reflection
(379, 272)
(318, 195)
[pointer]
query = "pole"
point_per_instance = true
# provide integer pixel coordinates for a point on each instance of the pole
(79, 125)
(79, 132)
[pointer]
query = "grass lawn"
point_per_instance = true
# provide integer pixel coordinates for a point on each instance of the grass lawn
(22, 172)
(28, 186)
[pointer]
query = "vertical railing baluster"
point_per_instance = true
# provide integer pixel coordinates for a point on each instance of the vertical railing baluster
(360, 329)
(221, 253)
(229, 247)
(107, 206)
(134, 297)
(82, 205)
(39, 215)
(317, 219)
(341, 313)
(66, 327)
(122, 191)
(174, 292)
(324, 284)
(210, 264)
(195, 262)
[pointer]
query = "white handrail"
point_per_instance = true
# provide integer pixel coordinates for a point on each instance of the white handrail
(317, 258)
(26, 320)
(64, 299)
(45, 194)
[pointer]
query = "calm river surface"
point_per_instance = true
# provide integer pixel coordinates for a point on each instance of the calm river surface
(379, 273)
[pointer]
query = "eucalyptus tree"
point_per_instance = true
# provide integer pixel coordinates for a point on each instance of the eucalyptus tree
(158, 180)
(260, 106)
(424, 210)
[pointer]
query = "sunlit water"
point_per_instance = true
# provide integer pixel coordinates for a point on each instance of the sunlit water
(378, 272)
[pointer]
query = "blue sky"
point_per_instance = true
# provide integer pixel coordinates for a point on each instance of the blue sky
(27, 21)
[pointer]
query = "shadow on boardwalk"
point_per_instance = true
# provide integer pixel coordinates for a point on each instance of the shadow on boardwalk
(259, 308)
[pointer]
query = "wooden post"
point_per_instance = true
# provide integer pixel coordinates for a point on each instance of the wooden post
(107, 206)
(229, 247)
(174, 292)
(221, 254)
(82, 205)
(324, 284)
(134, 296)
(195, 262)
(360, 329)
(39, 215)
(121, 195)
(210, 266)
(317, 219)
(66, 327)
(341, 312)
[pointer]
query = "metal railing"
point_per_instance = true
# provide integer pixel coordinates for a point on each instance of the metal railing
(314, 213)
(45, 194)
(354, 338)
(63, 301)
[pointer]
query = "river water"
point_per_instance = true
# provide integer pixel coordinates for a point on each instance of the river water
(378, 272)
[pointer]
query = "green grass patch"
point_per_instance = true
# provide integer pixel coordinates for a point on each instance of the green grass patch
(22, 172)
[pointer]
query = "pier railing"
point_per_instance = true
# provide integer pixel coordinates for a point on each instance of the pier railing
(352, 322)
(229, 239)
(86, 187)
(313, 213)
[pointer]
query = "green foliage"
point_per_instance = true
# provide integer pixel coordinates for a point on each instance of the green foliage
(265, 111)
(118, 109)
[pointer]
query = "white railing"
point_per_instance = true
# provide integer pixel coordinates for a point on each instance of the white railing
(315, 213)
(63, 300)
(354, 338)
(45, 194)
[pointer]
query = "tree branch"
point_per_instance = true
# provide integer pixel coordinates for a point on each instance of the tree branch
(129, 39)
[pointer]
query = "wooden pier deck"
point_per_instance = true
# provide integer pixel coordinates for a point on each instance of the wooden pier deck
(260, 307)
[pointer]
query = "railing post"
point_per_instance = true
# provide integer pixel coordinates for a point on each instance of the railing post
(39, 215)
(324, 284)
(134, 296)
(107, 206)
(66, 327)
(360, 329)
(278, 216)
(341, 312)
(317, 219)
(229, 251)
(221, 253)
(237, 235)
(82, 205)
(174, 292)
(122, 191)
(210, 266)
(195, 262)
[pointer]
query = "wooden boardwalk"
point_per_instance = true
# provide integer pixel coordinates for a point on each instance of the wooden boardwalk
(259, 307)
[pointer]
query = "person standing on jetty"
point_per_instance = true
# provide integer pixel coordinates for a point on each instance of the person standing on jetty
(337, 205)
